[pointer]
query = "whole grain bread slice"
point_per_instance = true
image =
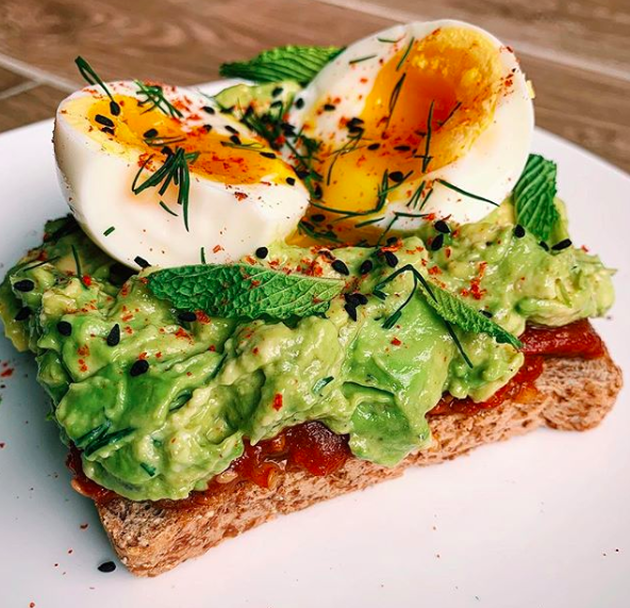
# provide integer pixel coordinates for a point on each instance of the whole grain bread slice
(571, 394)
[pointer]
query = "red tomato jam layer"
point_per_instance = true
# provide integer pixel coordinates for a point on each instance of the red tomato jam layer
(313, 448)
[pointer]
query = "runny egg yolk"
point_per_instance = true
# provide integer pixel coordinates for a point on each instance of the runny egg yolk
(427, 106)
(227, 158)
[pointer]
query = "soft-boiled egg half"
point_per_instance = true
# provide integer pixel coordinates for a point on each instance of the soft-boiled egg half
(159, 174)
(421, 120)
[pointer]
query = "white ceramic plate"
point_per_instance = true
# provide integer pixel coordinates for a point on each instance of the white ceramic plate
(539, 521)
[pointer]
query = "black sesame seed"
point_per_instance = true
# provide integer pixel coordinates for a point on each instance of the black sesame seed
(114, 108)
(442, 227)
(340, 267)
(235, 139)
(563, 244)
(396, 176)
(392, 240)
(287, 128)
(23, 314)
(317, 191)
(139, 367)
(64, 328)
(207, 128)
(356, 121)
(268, 154)
(187, 316)
(108, 130)
(141, 262)
(277, 91)
(351, 298)
(290, 181)
(355, 299)
(103, 120)
(113, 338)
(107, 567)
(231, 129)
(329, 107)
(262, 253)
(119, 273)
(299, 103)
(302, 173)
(209, 109)
(391, 259)
(544, 245)
(318, 217)
(226, 110)
(402, 148)
(150, 133)
(351, 310)
(437, 242)
(167, 150)
(366, 266)
(374, 146)
(486, 313)
(24, 285)
(519, 231)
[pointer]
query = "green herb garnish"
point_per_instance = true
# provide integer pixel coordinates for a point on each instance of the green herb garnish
(321, 383)
(109, 231)
(393, 99)
(406, 53)
(449, 307)
(297, 63)
(175, 169)
(361, 59)
(91, 77)
(465, 192)
(243, 291)
(154, 95)
(534, 195)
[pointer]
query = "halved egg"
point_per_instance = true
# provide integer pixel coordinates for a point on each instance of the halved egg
(424, 119)
(159, 174)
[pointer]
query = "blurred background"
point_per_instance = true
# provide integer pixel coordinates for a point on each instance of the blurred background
(577, 52)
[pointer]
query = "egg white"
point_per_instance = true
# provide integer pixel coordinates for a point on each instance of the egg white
(228, 221)
(491, 166)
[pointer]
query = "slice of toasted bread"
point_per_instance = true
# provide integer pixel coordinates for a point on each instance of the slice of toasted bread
(571, 394)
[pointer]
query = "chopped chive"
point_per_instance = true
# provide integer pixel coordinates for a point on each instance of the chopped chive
(77, 263)
(393, 100)
(426, 158)
(360, 59)
(166, 208)
(91, 77)
(321, 383)
(406, 53)
(389, 41)
(202, 253)
(109, 231)
(464, 192)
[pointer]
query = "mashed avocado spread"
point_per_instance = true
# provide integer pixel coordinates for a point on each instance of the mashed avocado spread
(209, 383)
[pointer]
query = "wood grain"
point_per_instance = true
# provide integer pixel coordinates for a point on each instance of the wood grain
(577, 52)
(586, 33)
(29, 106)
(9, 80)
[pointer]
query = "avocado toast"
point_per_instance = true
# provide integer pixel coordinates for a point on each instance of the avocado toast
(201, 400)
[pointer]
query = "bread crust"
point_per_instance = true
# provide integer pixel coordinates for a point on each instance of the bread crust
(571, 394)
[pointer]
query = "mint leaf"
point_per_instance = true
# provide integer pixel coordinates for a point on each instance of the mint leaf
(448, 306)
(534, 195)
(244, 291)
(297, 63)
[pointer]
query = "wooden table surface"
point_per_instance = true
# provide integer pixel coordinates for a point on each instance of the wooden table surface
(577, 52)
